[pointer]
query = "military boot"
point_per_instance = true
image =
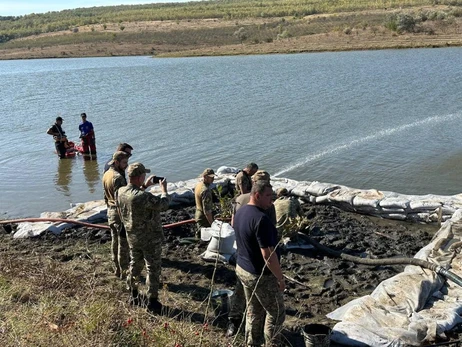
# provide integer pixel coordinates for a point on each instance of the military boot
(154, 306)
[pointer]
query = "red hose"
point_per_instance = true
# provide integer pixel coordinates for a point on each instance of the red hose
(99, 226)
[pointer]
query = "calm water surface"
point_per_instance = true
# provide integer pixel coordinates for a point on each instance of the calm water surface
(388, 120)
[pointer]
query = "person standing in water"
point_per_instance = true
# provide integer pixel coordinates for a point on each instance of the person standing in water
(87, 135)
(59, 135)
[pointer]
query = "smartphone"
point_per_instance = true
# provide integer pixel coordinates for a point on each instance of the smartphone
(157, 179)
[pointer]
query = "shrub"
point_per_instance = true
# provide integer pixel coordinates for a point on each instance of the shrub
(347, 31)
(400, 22)
(241, 34)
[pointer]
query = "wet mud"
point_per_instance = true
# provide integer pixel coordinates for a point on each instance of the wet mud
(324, 283)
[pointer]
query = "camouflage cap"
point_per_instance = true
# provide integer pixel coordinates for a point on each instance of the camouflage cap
(261, 175)
(119, 155)
(208, 172)
(136, 170)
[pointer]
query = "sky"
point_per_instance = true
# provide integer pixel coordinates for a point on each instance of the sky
(22, 7)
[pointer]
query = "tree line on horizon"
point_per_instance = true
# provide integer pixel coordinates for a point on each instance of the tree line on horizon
(13, 27)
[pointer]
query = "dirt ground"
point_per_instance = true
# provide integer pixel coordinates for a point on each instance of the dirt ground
(328, 283)
(190, 43)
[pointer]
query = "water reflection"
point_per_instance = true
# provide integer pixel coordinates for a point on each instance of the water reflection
(64, 175)
(91, 172)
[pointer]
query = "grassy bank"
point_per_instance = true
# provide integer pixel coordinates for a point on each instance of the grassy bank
(61, 293)
(233, 28)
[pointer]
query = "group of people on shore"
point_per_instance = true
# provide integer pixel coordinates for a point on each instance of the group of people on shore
(63, 145)
(259, 225)
(137, 236)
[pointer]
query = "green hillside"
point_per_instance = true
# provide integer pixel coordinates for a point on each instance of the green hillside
(33, 24)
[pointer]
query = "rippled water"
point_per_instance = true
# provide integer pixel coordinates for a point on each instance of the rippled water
(388, 120)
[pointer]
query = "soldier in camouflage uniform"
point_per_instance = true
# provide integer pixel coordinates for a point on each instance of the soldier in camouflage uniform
(243, 178)
(204, 201)
(140, 213)
(113, 179)
(287, 208)
(259, 269)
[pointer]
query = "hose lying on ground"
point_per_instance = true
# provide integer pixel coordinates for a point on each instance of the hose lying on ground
(98, 226)
(387, 261)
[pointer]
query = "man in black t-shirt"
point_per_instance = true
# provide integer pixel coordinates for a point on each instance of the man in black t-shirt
(59, 136)
(258, 267)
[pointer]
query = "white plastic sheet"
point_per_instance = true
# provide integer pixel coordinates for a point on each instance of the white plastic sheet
(412, 307)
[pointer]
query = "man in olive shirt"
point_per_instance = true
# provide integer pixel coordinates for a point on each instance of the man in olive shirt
(204, 201)
(140, 213)
(243, 178)
(113, 179)
(287, 209)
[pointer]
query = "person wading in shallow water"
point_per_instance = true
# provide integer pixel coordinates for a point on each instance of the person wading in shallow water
(243, 178)
(140, 214)
(259, 269)
(204, 201)
(59, 136)
(113, 179)
(87, 135)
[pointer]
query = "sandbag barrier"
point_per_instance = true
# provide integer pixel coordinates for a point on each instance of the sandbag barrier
(390, 205)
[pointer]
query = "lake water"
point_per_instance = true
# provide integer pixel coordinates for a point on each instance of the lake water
(388, 120)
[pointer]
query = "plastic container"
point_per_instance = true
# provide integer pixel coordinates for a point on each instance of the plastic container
(316, 335)
(222, 301)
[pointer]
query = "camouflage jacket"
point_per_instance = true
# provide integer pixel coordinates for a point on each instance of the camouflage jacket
(140, 210)
(203, 197)
(243, 180)
(286, 208)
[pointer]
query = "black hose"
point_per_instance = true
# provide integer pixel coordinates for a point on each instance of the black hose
(387, 261)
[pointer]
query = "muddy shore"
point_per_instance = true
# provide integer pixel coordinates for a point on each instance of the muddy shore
(328, 283)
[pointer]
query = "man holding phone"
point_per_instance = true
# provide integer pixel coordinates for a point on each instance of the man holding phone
(140, 213)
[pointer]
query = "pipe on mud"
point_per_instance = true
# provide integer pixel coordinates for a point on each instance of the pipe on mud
(97, 226)
(387, 261)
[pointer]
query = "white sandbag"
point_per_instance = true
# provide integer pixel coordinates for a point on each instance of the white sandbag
(299, 190)
(386, 210)
(342, 196)
(323, 199)
(28, 229)
(223, 238)
(227, 170)
(424, 205)
(367, 198)
(317, 188)
(212, 256)
(397, 202)
(53, 215)
(396, 216)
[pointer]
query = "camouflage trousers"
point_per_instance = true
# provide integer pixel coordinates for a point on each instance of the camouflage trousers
(145, 252)
(201, 222)
(265, 308)
(119, 245)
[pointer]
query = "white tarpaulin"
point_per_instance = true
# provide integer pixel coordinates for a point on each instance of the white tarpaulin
(412, 307)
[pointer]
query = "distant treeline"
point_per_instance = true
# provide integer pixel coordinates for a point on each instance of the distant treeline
(12, 27)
